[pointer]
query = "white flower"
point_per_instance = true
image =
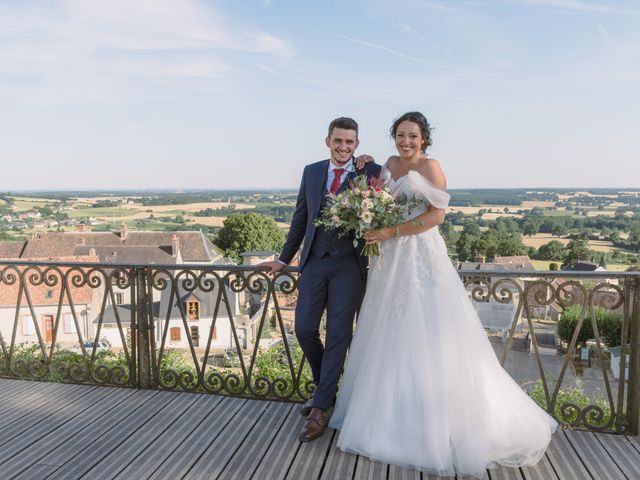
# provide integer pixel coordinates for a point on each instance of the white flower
(366, 216)
(335, 218)
(366, 204)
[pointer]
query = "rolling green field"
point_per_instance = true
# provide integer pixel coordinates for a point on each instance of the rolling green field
(101, 212)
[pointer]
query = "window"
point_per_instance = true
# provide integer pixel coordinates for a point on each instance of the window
(175, 334)
(119, 298)
(28, 327)
(49, 294)
(193, 310)
(69, 324)
(195, 336)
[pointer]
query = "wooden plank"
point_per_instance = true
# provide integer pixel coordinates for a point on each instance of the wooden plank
(635, 442)
(180, 460)
(594, 456)
(282, 449)
(9, 388)
(504, 473)
(622, 453)
(367, 469)
(12, 406)
(16, 458)
(137, 440)
(156, 453)
(431, 476)
(403, 473)
(84, 456)
(252, 451)
(340, 465)
(468, 477)
(310, 457)
(564, 459)
(73, 437)
(213, 460)
(22, 434)
(36, 416)
(540, 471)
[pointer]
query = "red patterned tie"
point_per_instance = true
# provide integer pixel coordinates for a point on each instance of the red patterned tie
(335, 185)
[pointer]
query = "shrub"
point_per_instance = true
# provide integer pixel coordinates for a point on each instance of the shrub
(609, 325)
(574, 395)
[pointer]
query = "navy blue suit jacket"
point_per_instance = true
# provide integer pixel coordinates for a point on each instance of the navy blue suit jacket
(314, 179)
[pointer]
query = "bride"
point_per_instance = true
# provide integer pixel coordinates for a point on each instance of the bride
(423, 387)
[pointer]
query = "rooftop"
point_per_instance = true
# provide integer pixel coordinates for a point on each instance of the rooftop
(116, 247)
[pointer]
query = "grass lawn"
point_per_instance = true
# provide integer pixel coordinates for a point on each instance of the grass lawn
(26, 205)
(544, 264)
(103, 213)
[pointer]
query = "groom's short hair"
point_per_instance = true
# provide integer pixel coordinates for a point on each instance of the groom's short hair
(345, 123)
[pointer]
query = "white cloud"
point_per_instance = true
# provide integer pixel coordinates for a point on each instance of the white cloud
(82, 48)
(385, 49)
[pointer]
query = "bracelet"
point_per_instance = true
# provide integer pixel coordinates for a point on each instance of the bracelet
(397, 231)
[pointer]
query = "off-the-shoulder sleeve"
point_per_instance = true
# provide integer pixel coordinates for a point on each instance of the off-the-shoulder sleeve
(436, 197)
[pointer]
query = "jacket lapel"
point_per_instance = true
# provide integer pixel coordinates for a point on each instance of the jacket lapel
(319, 183)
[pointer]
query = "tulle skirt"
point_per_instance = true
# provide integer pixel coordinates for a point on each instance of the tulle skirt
(423, 387)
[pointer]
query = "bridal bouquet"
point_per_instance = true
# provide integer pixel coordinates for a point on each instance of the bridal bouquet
(365, 205)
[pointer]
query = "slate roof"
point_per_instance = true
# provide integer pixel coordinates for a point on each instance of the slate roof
(44, 294)
(11, 250)
(135, 247)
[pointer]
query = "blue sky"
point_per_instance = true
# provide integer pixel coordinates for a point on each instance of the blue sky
(238, 93)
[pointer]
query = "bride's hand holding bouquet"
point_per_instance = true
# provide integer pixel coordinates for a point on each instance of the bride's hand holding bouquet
(369, 209)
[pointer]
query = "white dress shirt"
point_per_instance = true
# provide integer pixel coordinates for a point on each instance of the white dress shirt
(348, 167)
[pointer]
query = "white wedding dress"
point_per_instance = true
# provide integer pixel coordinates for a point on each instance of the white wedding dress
(423, 387)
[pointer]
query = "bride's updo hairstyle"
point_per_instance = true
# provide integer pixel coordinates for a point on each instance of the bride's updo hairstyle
(420, 120)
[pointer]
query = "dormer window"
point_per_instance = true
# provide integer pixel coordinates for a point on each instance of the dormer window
(49, 294)
(193, 310)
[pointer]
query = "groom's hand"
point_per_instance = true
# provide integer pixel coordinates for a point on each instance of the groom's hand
(362, 159)
(274, 266)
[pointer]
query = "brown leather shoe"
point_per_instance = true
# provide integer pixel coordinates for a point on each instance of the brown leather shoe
(306, 407)
(314, 426)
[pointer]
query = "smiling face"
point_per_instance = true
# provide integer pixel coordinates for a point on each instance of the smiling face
(342, 143)
(409, 141)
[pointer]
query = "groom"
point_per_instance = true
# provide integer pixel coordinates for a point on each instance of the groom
(333, 273)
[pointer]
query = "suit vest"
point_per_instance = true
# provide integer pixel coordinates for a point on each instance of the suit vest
(327, 242)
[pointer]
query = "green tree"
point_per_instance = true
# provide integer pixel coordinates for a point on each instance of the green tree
(511, 244)
(634, 237)
(577, 250)
(554, 250)
(243, 232)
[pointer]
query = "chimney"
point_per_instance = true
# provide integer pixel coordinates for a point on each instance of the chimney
(479, 259)
(123, 231)
(175, 245)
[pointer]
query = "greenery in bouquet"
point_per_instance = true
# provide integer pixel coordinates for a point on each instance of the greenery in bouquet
(367, 204)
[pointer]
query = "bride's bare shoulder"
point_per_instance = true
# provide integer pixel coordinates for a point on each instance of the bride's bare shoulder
(430, 169)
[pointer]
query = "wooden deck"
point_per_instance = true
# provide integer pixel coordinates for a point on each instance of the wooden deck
(55, 431)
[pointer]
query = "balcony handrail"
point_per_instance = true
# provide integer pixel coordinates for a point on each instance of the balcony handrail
(507, 273)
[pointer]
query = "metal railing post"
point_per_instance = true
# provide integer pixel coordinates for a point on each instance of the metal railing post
(142, 332)
(633, 392)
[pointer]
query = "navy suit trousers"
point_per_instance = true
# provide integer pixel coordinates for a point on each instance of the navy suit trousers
(338, 285)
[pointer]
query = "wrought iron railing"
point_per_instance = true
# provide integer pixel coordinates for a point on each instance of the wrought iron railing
(223, 329)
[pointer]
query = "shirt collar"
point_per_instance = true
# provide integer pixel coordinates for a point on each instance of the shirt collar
(349, 167)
